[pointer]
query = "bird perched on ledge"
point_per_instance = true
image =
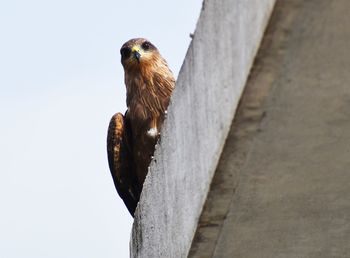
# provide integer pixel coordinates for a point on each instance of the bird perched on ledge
(132, 137)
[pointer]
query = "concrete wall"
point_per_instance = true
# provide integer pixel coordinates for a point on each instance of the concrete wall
(208, 89)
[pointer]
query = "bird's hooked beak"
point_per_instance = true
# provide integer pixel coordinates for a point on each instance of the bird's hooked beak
(136, 53)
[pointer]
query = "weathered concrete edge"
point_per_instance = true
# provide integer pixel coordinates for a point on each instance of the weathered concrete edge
(207, 92)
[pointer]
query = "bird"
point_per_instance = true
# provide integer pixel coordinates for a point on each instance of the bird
(132, 137)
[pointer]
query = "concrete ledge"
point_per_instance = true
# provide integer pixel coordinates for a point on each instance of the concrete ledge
(208, 89)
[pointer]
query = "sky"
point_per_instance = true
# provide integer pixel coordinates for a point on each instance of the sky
(60, 82)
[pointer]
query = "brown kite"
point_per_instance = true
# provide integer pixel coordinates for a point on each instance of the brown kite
(132, 137)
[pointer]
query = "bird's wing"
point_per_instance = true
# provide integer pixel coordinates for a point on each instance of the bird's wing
(120, 161)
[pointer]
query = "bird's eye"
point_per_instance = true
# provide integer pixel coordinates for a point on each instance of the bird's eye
(125, 52)
(146, 45)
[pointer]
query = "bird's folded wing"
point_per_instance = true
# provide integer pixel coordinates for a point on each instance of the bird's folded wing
(120, 161)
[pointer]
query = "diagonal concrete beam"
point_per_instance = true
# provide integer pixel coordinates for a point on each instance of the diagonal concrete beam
(207, 93)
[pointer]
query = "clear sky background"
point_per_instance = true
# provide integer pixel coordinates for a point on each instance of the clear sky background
(60, 82)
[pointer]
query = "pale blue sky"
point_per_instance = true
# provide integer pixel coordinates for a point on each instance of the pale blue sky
(60, 82)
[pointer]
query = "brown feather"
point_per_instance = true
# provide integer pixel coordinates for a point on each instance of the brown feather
(149, 85)
(120, 162)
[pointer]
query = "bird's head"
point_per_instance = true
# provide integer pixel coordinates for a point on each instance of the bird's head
(137, 52)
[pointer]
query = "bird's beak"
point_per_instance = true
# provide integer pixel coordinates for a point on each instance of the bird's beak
(136, 53)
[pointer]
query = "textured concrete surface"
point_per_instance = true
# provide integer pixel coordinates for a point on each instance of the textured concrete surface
(208, 89)
(282, 187)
